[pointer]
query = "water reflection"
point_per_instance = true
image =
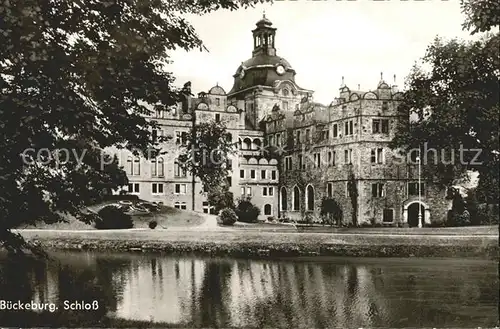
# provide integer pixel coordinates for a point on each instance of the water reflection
(205, 292)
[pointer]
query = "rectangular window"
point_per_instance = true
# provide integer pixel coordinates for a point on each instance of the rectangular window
(385, 126)
(129, 168)
(335, 130)
(229, 181)
(263, 174)
(205, 207)
(273, 175)
(329, 190)
(242, 191)
(288, 163)
(278, 139)
(249, 191)
(229, 164)
(217, 117)
(252, 174)
(217, 101)
(380, 126)
(180, 188)
(285, 105)
(346, 157)
(385, 106)
(157, 188)
(388, 215)
(317, 160)
(183, 206)
(308, 135)
(179, 171)
(298, 137)
(375, 126)
(413, 188)
(271, 191)
(334, 158)
(242, 173)
(351, 127)
(264, 191)
(377, 190)
(181, 137)
(301, 161)
(347, 191)
(377, 156)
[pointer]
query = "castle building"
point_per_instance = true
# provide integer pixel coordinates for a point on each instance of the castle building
(311, 151)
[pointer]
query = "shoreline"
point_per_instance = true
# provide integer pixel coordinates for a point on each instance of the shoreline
(269, 244)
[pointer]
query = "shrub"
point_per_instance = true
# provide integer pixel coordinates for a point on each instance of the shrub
(270, 219)
(227, 216)
(113, 218)
(152, 224)
(247, 212)
(331, 212)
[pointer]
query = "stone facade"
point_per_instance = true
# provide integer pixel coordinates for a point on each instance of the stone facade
(293, 152)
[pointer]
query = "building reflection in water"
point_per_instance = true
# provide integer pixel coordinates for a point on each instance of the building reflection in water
(210, 292)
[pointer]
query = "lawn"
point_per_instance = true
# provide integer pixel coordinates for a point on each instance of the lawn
(165, 217)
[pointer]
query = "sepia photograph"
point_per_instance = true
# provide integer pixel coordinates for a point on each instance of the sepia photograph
(249, 163)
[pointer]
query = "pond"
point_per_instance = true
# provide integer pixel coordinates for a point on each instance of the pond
(192, 291)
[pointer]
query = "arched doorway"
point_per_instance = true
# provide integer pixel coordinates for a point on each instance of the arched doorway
(283, 200)
(268, 210)
(413, 214)
(310, 197)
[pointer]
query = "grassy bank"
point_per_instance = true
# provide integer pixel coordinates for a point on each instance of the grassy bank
(166, 217)
(269, 244)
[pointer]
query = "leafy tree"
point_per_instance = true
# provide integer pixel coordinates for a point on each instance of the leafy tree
(455, 104)
(206, 156)
(220, 197)
(331, 211)
(77, 75)
(228, 216)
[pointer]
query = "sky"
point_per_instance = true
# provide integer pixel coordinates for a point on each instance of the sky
(323, 41)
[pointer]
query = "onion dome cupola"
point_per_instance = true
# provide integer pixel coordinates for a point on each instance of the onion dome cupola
(264, 67)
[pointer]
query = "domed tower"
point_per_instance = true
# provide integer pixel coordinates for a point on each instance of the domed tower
(264, 68)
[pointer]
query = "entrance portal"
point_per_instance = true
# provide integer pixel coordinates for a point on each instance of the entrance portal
(413, 214)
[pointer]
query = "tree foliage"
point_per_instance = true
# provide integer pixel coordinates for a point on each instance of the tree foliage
(453, 100)
(206, 155)
(77, 75)
(481, 15)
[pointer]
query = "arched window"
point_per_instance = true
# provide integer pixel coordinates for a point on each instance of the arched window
(137, 167)
(247, 144)
(268, 210)
(283, 199)
(296, 199)
(310, 197)
(130, 166)
(160, 167)
(154, 172)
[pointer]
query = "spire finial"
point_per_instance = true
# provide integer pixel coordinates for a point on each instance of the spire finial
(342, 80)
(394, 79)
(264, 13)
(381, 76)
(359, 86)
(217, 84)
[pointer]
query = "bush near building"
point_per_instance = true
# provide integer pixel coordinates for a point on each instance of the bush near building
(113, 218)
(246, 211)
(227, 216)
